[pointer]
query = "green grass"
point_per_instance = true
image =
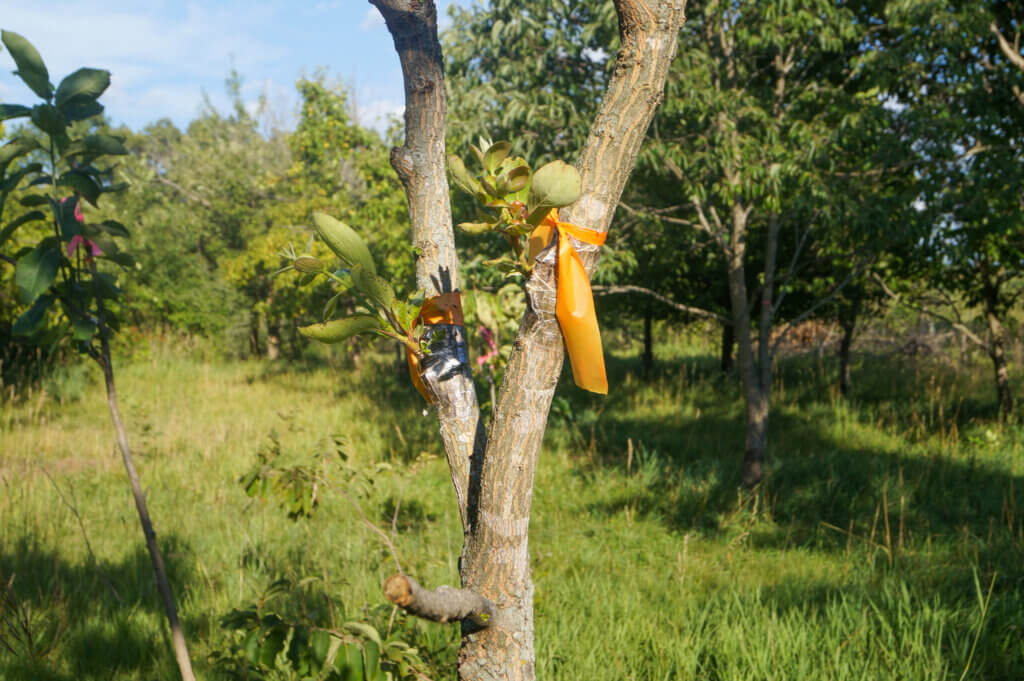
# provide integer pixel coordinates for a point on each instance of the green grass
(867, 554)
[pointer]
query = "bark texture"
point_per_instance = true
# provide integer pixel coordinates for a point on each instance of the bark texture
(494, 476)
(421, 166)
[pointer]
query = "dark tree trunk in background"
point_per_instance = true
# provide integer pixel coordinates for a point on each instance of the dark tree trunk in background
(848, 323)
(728, 346)
(648, 345)
(997, 351)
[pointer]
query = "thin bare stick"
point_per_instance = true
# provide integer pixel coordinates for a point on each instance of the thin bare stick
(380, 533)
(163, 586)
(73, 507)
(700, 312)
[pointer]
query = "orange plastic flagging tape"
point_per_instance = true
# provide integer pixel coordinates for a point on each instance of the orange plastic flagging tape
(443, 309)
(574, 305)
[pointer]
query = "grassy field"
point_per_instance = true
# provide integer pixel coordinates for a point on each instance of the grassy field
(886, 543)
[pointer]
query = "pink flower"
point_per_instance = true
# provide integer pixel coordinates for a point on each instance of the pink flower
(489, 339)
(78, 209)
(79, 240)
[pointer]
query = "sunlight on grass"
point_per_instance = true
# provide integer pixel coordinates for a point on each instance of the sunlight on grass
(856, 559)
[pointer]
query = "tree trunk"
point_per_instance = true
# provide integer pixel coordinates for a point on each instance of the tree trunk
(493, 476)
(273, 341)
(997, 352)
(728, 345)
(648, 356)
(848, 323)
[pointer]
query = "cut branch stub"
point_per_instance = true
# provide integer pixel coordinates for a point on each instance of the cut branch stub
(443, 604)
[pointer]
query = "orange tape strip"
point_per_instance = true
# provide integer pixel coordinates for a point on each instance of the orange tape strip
(574, 305)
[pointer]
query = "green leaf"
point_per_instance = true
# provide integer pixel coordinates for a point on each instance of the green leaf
(12, 180)
(115, 228)
(80, 109)
(32, 319)
(251, 646)
(338, 330)
(32, 200)
(364, 630)
(344, 241)
(97, 144)
(123, 259)
(518, 178)
(16, 148)
(49, 119)
(319, 644)
(36, 270)
(81, 183)
(371, 666)
(83, 329)
(9, 111)
(373, 287)
(476, 227)
(31, 68)
(8, 230)
(272, 645)
(496, 154)
(554, 185)
(463, 179)
(85, 84)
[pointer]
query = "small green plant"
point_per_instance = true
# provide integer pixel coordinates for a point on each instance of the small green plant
(269, 641)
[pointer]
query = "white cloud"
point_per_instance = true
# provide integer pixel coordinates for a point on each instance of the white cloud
(372, 21)
(378, 113)
(158, 56)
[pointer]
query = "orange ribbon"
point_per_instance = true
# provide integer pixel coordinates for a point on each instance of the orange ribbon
(574, 304)
(443, 309)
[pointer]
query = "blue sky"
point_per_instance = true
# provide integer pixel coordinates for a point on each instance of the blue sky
(164, 54)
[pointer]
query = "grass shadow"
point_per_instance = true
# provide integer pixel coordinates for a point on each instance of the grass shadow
(89, 612)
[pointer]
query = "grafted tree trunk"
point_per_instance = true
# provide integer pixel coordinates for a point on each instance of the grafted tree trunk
(494, 476)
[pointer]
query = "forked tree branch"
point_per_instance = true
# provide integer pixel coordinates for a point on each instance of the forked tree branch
(688, 309)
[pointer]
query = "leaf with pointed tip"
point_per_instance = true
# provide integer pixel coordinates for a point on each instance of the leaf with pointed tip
(36, 270)
(9, 111)
(96, 145)
(373, 287)
(81, 183)
(8, 230)
(32, 318)
(31, 68)
(49, 119)
(16, 148)
(338, 330)
(344, 241)
(496, 154)
(84, 85)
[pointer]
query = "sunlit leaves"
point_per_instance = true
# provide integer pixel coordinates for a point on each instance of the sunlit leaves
(338, 330)
(344, 241)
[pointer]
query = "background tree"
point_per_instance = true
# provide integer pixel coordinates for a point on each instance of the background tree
(961, 85)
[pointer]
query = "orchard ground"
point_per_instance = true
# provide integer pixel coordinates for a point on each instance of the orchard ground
(886, 543)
